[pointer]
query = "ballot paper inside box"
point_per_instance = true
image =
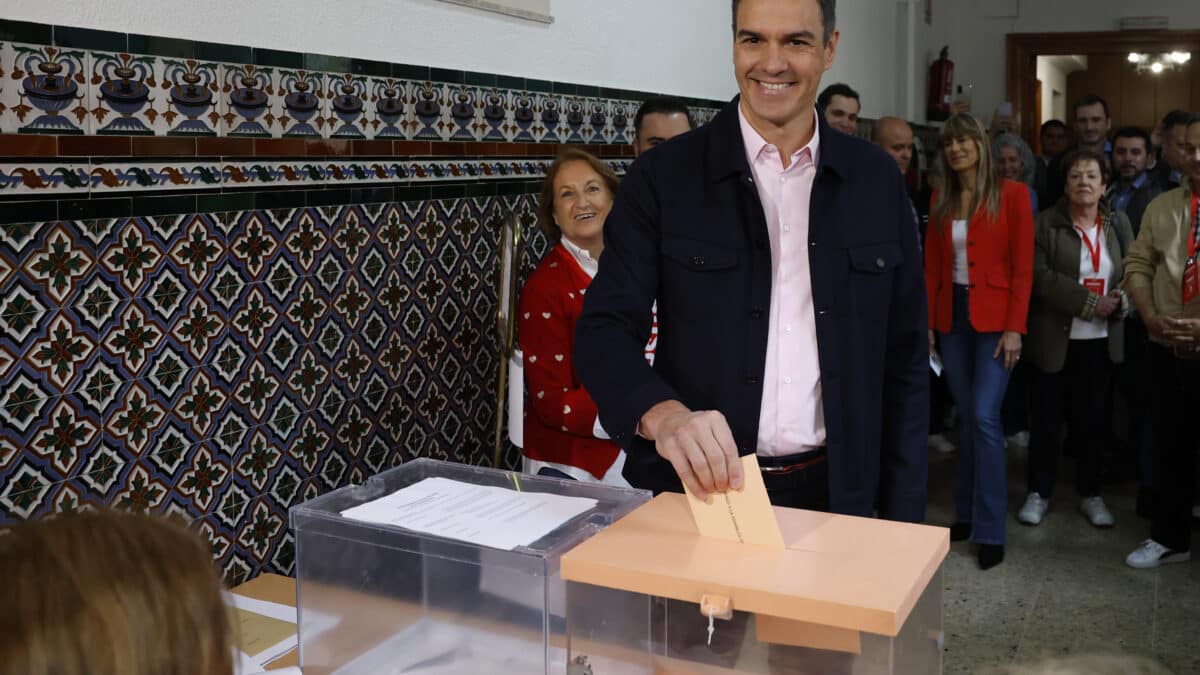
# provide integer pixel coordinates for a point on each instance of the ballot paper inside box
(844, 596)
(411, 601)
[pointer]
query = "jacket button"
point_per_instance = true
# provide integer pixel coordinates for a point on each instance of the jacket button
(970, 286)
(698, 261)
(751, 380)
(880, 263)
(971, 263)
(970, 243)
(756, 313)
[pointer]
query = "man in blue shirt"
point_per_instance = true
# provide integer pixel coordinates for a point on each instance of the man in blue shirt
(1133, 188)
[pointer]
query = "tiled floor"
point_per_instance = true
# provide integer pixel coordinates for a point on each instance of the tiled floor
(1063, 588)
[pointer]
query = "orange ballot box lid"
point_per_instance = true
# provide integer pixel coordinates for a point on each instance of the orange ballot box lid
(858, 574)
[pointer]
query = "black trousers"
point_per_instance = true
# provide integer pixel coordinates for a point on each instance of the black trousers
(799, 488)
(1175, 416)
(939, 400)
(1137, 384)
(1015, 410)
(1083, 384)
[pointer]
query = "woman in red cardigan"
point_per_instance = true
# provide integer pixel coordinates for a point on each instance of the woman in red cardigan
(978, 275)
(563, 435)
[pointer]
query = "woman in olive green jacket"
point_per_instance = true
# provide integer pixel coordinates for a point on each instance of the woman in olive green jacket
(1075, 333)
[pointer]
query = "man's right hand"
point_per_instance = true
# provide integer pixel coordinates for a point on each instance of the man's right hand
(1170, 331)
(699, 446)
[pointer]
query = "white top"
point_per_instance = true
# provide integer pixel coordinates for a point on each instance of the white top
(581, 255)
(1096, 328)
(959, 234)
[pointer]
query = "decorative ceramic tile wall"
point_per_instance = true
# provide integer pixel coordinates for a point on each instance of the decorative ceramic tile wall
(56, 90)
(225, 366)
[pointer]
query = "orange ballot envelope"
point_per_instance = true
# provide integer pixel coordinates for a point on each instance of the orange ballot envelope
(744, 516)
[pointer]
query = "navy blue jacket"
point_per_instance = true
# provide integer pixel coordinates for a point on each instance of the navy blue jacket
(687, 229)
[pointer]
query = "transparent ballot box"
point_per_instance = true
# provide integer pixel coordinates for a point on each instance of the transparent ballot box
(845, 596)
(379, 598)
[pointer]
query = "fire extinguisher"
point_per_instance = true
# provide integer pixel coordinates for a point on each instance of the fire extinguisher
(941, 82)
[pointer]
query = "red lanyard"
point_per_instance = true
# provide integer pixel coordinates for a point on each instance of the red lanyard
(1094, 250)
(1195, 239)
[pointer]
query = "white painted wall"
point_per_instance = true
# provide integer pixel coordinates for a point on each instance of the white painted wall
(1053, 72)
(649, 45)
(681, 47)
(977, 29)
(867, 53)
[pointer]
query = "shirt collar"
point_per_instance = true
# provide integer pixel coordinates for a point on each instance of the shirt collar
(756, 145)
(1136, 185)
(581, 256)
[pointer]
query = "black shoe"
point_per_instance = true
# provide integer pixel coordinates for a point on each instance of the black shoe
(960, 531)
(990, 555)
(1145, 503)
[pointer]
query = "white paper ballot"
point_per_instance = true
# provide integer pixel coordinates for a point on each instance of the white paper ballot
(480, 514)
(935, 363)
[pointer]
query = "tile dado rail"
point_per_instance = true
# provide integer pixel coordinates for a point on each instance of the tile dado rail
(83, 178)
(82, 82)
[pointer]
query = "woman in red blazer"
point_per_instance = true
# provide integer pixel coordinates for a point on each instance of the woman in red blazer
(978, 276)
(563, 435)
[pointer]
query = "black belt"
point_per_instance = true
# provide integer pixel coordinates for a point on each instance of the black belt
(790, 463)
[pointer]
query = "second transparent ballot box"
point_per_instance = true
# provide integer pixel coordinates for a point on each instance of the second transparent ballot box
(845, 596)
(450, 596)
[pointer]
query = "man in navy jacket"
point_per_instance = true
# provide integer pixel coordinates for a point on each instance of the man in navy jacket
(690, 228)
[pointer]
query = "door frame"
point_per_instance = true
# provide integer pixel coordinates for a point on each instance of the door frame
(1024, 48)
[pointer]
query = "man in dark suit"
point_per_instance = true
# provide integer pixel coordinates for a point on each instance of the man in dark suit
(791, 303)
(1169, 171)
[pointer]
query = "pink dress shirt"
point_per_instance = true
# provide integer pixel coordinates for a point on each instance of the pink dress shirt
(792, 418)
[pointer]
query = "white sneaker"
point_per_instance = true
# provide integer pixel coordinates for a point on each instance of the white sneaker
(940, 443)
(1021, 438)
(1034, 509)
(1097, 513)
(1152, 554)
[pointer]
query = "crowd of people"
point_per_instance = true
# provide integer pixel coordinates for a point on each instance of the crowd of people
(1081, 260)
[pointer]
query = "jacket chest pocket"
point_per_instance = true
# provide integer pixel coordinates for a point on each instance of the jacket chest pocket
(875, 261)
(871, 271)
(698, 277)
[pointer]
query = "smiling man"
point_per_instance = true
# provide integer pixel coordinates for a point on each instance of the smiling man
(791, 305)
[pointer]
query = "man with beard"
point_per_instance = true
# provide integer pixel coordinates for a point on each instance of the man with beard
(1132, 191)
(1134, 188)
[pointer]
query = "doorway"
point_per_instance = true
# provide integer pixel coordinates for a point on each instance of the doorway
(1099, 63)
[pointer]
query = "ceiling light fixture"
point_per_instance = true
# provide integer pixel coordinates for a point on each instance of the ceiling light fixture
(1158, 63)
